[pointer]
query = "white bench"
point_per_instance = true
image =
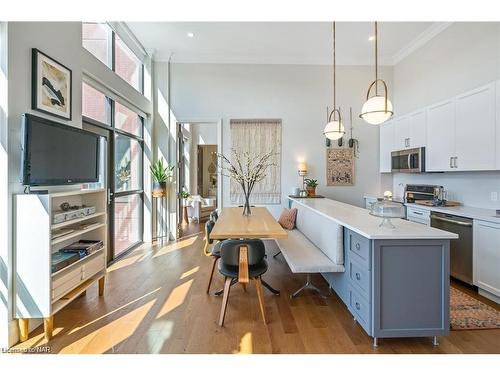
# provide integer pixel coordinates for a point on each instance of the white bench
(315, 246)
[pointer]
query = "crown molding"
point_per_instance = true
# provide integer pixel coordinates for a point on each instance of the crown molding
(420, 40)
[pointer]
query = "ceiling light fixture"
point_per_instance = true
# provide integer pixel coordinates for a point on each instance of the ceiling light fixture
(334, 129)
(190, 35)
(377, 109)
(371, 38)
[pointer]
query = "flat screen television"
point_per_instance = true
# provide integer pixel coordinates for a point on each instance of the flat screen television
(57, 154)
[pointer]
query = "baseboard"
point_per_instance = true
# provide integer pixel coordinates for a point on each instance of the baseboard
(489, 295)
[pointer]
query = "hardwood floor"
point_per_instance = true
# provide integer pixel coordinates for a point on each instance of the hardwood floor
(155, 302)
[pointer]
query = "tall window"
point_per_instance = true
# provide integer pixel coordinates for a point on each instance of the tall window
(101, 41)
(123, 129)
(96, 39)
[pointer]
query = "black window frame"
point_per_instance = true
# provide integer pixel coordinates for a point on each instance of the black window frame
(111, 183)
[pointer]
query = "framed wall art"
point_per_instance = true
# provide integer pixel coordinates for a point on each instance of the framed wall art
(51, 86)
(339, 167)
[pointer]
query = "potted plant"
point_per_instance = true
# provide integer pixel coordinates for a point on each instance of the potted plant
(311, 186)
(161, 173)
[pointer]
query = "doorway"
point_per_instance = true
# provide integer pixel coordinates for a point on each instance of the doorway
(199, 180)
(123, 176)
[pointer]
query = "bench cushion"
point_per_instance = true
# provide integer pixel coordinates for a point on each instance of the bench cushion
(322, 232)
(303, 256)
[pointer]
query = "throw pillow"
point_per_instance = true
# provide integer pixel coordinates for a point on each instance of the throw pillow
(287, 218)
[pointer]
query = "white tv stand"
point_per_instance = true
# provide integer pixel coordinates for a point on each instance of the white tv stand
(39, 292)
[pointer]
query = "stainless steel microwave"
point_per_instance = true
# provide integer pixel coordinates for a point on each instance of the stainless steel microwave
(408, 161)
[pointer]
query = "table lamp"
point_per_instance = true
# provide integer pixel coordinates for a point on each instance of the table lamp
(302, 172)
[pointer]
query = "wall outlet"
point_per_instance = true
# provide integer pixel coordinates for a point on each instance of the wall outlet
(494, 196)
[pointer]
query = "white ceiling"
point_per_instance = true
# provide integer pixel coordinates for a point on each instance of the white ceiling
(281, 42)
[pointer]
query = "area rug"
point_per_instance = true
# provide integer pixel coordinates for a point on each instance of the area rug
(467, 312)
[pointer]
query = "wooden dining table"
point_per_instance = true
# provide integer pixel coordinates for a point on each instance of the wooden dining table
(232, 224)
(260, 224)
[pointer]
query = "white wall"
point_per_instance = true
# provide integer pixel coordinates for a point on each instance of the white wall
(298, 94)
(462, 57)
(22, 37)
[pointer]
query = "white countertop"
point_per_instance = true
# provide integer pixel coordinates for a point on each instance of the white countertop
(464, 211)
(360, 221)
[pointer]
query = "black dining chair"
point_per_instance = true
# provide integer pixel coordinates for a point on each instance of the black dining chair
(242, 260)
(214, 215)
(211, 251)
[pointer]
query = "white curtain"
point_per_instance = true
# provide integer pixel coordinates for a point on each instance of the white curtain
(258, 137)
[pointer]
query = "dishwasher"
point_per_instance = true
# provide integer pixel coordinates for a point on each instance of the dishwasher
(461, 248)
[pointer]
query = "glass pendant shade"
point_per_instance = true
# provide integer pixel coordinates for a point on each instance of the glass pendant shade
(334, 130)
(374, 110)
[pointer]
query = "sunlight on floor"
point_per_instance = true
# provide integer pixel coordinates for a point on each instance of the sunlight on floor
(246, 345)
(190, 272)
(158, 334)
(175, 246)
(114, 311)
(176, 298)
(112, 333)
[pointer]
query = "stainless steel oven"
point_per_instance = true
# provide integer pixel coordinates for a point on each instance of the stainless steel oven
(408, 161)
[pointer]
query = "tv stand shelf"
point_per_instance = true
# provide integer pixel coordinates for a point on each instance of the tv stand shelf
(39, 292)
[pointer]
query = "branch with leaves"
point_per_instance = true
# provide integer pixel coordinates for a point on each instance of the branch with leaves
(246, 169)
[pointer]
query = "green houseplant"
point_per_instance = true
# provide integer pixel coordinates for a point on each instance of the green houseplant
(160, 173)
(311, 186)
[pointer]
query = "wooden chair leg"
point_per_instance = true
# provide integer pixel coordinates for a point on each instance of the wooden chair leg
(211, 275)
(260, 295)
(227, 287)
(23, 329)
(48, 327)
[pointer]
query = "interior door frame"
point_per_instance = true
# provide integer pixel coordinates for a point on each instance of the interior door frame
(220, 190)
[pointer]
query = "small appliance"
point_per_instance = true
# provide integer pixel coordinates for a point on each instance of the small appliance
(408, 161)
(415, 193)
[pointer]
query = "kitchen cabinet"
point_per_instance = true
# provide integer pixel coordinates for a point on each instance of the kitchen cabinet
(410, 131)
(386, 145)
(440, 149)
(486, 257)
(475, 129)
(418, 129)
(401, 133)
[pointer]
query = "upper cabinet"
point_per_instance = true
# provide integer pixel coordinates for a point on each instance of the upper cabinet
(475, 129)
(410, 130)
(386, 145)
(401, 133)
(460, 134)
(440, 148)
(418, 129)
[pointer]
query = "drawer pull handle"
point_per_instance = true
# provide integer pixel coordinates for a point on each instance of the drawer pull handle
(358, 246)
(358, 276)
(357, 305)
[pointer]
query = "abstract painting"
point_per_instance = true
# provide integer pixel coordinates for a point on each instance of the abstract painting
(51, 86)
(339, 167)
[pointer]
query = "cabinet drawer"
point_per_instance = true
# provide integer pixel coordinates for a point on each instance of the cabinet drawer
(67, 286)
(360, 308)
(63, 278)
(359, 246)
(360, 276)
(94, 265)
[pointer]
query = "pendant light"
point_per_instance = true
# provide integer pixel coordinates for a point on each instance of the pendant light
(334, 129)
(378, 108)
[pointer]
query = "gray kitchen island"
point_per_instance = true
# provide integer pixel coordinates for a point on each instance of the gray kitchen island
(396, 281)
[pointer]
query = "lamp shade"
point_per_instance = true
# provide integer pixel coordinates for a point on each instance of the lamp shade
(302, 168)
(374, 110)
(334, 130)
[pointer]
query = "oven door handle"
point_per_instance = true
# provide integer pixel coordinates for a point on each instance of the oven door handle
(462, 223)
